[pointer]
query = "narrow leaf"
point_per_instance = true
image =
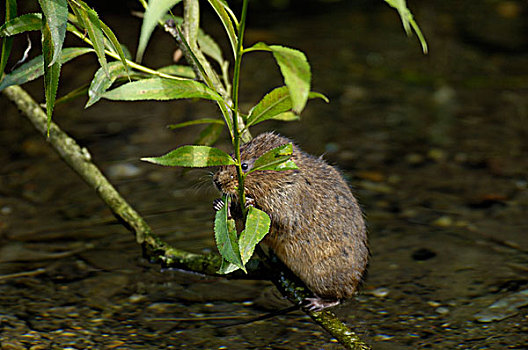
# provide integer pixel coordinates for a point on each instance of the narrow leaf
(276, 105)
(116, 45)
(91, 23)
(260, 46)
(154, 12)
(257, 226)
(35, 68)
(56, 17)
(275, 102)
(220, 8)
(179, 71)
(22, 24)
(210, 135)
(51, 71)
(278, 159)
(294, 68)
(401, 7)
(226, 236)
(7, 43)
(314, 94)
(195, 122)
(210, 47)
(227, 267)
(419, 34)
(161, 89)
(408, 19)
(193, 156)
(286, 117)
(101, 81)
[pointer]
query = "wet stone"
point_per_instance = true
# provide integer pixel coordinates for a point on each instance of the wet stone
(503, 308)
(12, 345)
(443, 221)
(423, 254)
(123, 171)
(380, 292)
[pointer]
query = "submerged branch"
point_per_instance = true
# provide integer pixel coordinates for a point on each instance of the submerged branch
(154, 249)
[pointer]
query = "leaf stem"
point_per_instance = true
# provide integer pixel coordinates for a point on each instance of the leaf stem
(236, 83)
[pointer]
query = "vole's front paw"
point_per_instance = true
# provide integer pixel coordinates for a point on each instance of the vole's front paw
(250, 202)
(218, 204)
(318, 304)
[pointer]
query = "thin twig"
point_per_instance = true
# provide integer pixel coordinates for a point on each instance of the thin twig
(23, 274)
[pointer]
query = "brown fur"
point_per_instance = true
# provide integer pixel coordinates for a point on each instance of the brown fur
(317, 226)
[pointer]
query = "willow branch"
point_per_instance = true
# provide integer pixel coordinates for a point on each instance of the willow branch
(80, 160)
(294, 289)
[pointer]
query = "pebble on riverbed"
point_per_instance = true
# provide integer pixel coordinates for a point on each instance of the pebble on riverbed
(503, 308)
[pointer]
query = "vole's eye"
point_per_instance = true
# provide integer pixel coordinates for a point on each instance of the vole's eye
(244, 166)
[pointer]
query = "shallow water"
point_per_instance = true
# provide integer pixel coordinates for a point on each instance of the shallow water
(435, 147)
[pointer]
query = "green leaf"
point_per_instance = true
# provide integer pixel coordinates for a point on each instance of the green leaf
(227, 267)
(276, 105)
(116, 45)
(179, 71)
(193, 156)
(90, 20)
(101, 82)
(210, 135)
(51, 71)
(7, 43)
(226, 236)
(210, 47)
(221, 9)
(56, 17)
(21, 24)
(257, 226)
(314, 94)
(195, 122)
(286, 117)
(408, 21)
(296, 72)
(275, 102)
(35, 68)
(161, 89)
(294, 68)
(156, 9)
(278, 159)
(401, 7)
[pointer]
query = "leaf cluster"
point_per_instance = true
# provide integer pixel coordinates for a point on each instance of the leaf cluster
(206, 77)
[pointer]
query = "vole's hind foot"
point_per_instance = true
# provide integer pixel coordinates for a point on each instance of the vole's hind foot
(318, 304)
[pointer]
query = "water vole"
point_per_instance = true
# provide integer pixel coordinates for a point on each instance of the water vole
(317, 227)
